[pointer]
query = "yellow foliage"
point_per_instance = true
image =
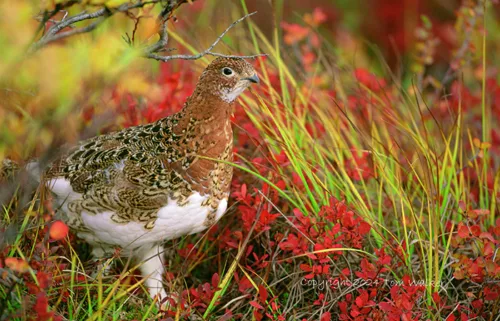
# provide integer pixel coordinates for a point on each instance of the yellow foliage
(16, 18)
(46, 91)
(109, 3)
(148, 28)
(134, 84)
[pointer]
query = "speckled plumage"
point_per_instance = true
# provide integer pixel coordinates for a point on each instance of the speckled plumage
(145, 180)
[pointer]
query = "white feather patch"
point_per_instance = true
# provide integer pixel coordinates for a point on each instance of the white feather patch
(230, 95)
(173, 220)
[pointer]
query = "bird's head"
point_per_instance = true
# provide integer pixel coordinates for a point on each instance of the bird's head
(227, 78)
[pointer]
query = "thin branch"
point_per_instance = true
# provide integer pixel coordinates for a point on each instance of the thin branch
(54, 33)
(79, 17)
(163, 18)
(85, 29)
(208, 51)
(47, 15)
(216, 54)
(162, 42)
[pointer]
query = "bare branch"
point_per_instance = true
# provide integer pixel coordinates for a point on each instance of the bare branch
(216, 54)
(162, 42)
(101, 15)
(47, 15)
(163, 18)
(208, 51)
(201, 54)
(56, 31)
(72, 32)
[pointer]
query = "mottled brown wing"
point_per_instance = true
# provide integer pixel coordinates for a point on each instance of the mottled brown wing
(126, 172)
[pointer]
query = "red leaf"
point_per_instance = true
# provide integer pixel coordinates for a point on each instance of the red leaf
(364, 228)
(294, 33)
(477, 304)
(215, 280)
(486, 235)
(336, 228)
(475, 230)
(436, 297)
(481, 212)
(257, 315)
(385, 306)
(463, 230)
(244, 284)
(343, 306)
(490, 295)
(244, 190)
(305, 267)
(44, 279)
(281, 185)
(256, 305)
(488, 249)
(291, 243)
(326, 316)
(41, 308)
(262, 294)
(347, 219)
(362, 299)
(318, 15)
(58, 230)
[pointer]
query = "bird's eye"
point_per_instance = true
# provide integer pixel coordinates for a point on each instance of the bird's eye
(227, 71)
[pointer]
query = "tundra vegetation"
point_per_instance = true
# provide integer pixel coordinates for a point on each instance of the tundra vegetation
(366, 180)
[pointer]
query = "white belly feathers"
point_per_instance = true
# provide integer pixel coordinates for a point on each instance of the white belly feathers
(173, 220)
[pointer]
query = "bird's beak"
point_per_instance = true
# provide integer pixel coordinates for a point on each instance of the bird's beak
(254, 78)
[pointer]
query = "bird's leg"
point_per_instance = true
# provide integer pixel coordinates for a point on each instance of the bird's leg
(153, 270)
(103, 266)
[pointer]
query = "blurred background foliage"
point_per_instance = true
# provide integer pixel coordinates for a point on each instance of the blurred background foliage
(54, 85)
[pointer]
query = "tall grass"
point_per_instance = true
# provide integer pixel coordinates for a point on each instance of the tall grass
(418, 161)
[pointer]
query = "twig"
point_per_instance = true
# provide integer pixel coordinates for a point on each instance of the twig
(163, 18)
(208, 51)
(47, 15)
(54, 33)
(85, 29)
(162, 42)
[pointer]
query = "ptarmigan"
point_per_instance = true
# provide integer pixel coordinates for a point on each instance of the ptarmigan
(136, 188)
